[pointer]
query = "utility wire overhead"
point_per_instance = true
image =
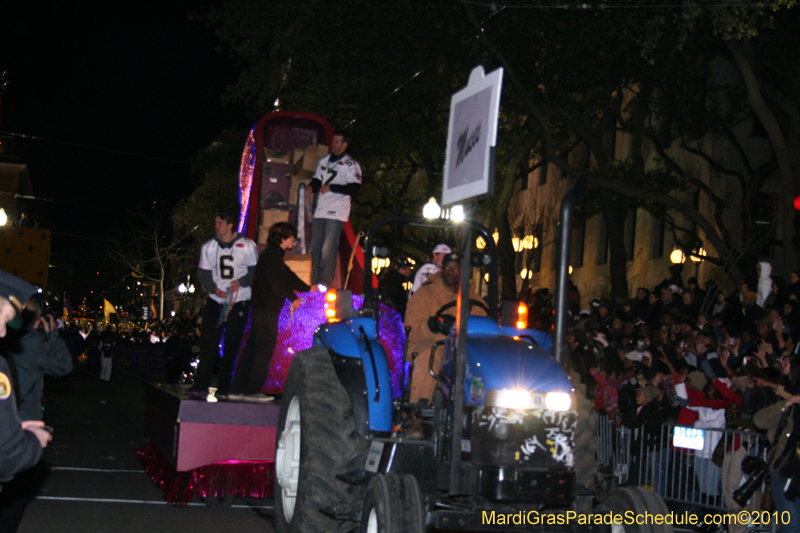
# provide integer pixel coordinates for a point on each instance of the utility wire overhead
(90, 147)
(495, 6)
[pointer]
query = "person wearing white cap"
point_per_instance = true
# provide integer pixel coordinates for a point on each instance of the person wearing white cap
(429, 269)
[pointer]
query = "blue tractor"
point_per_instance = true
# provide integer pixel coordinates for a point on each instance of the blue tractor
(501, 442)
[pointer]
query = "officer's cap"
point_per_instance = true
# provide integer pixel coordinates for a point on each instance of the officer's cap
(17, 292)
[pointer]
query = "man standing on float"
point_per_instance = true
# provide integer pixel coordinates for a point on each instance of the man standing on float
(226, 270)
(337, 180)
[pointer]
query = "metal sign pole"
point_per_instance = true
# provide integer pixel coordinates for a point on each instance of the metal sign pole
(460, 360)
(468, 175)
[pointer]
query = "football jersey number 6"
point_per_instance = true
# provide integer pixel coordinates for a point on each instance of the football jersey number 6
(225, 270)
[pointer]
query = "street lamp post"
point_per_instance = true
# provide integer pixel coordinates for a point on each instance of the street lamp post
(697, 259)
(678, 257)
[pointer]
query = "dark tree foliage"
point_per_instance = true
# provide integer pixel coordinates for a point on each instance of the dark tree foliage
(669, 76)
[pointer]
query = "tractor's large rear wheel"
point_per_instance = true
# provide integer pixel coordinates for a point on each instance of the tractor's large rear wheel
(316, 440)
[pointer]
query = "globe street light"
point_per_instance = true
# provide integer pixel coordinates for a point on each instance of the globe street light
(431, 209)
(379, 264)
(699, 256)
(457, 213)
(529, 242)
(677, 256)
(697, 259)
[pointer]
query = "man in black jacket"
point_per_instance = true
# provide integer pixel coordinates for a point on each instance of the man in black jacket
(393, 285)
(274, 283)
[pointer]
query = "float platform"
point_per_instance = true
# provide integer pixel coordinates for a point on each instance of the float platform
(192, 433)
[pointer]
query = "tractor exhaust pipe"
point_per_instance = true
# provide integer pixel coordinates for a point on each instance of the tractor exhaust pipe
(565, 232)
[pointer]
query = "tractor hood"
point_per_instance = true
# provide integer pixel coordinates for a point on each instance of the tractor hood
(496, 361)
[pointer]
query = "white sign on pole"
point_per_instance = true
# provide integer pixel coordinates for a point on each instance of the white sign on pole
(471, 135)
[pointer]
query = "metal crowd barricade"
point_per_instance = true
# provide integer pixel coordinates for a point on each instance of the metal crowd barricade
(613, 448)
(691, 479)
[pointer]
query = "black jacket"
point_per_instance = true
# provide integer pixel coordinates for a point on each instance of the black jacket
(392, 291)
(19, 449)
(646, 425)
(275, 281)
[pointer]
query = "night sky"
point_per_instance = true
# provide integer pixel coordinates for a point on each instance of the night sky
(125, 95)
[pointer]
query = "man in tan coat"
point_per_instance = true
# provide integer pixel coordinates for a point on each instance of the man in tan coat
(439, 290)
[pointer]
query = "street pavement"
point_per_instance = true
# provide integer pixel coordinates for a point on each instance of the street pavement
(90, 480)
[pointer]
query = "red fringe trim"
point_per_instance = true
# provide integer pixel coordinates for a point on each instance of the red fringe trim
(251, 479)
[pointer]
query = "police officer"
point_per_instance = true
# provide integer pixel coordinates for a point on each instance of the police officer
(21, 443)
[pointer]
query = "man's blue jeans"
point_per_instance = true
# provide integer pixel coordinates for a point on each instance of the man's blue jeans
(325, 236)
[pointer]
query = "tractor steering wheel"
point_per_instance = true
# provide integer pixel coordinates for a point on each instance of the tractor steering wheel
(442, 323)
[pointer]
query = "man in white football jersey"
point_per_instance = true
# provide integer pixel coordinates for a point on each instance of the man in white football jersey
(226, 270)
(337, 180)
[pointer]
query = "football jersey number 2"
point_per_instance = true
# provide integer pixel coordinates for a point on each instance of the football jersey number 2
(225, 270)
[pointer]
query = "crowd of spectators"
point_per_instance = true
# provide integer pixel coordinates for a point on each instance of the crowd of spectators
(34, 343)
(95, 347)
(699, 358)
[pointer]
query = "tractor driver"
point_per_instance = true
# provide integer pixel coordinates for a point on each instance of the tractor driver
(431, 315)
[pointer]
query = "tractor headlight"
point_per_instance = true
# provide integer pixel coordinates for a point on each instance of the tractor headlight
(508, 398)
(557, 401)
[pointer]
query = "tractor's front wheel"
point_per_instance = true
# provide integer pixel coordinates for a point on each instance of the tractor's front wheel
(393, 505)
(632, 503)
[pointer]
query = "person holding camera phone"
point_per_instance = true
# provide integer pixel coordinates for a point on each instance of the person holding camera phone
(781, 421)
(36, 349)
